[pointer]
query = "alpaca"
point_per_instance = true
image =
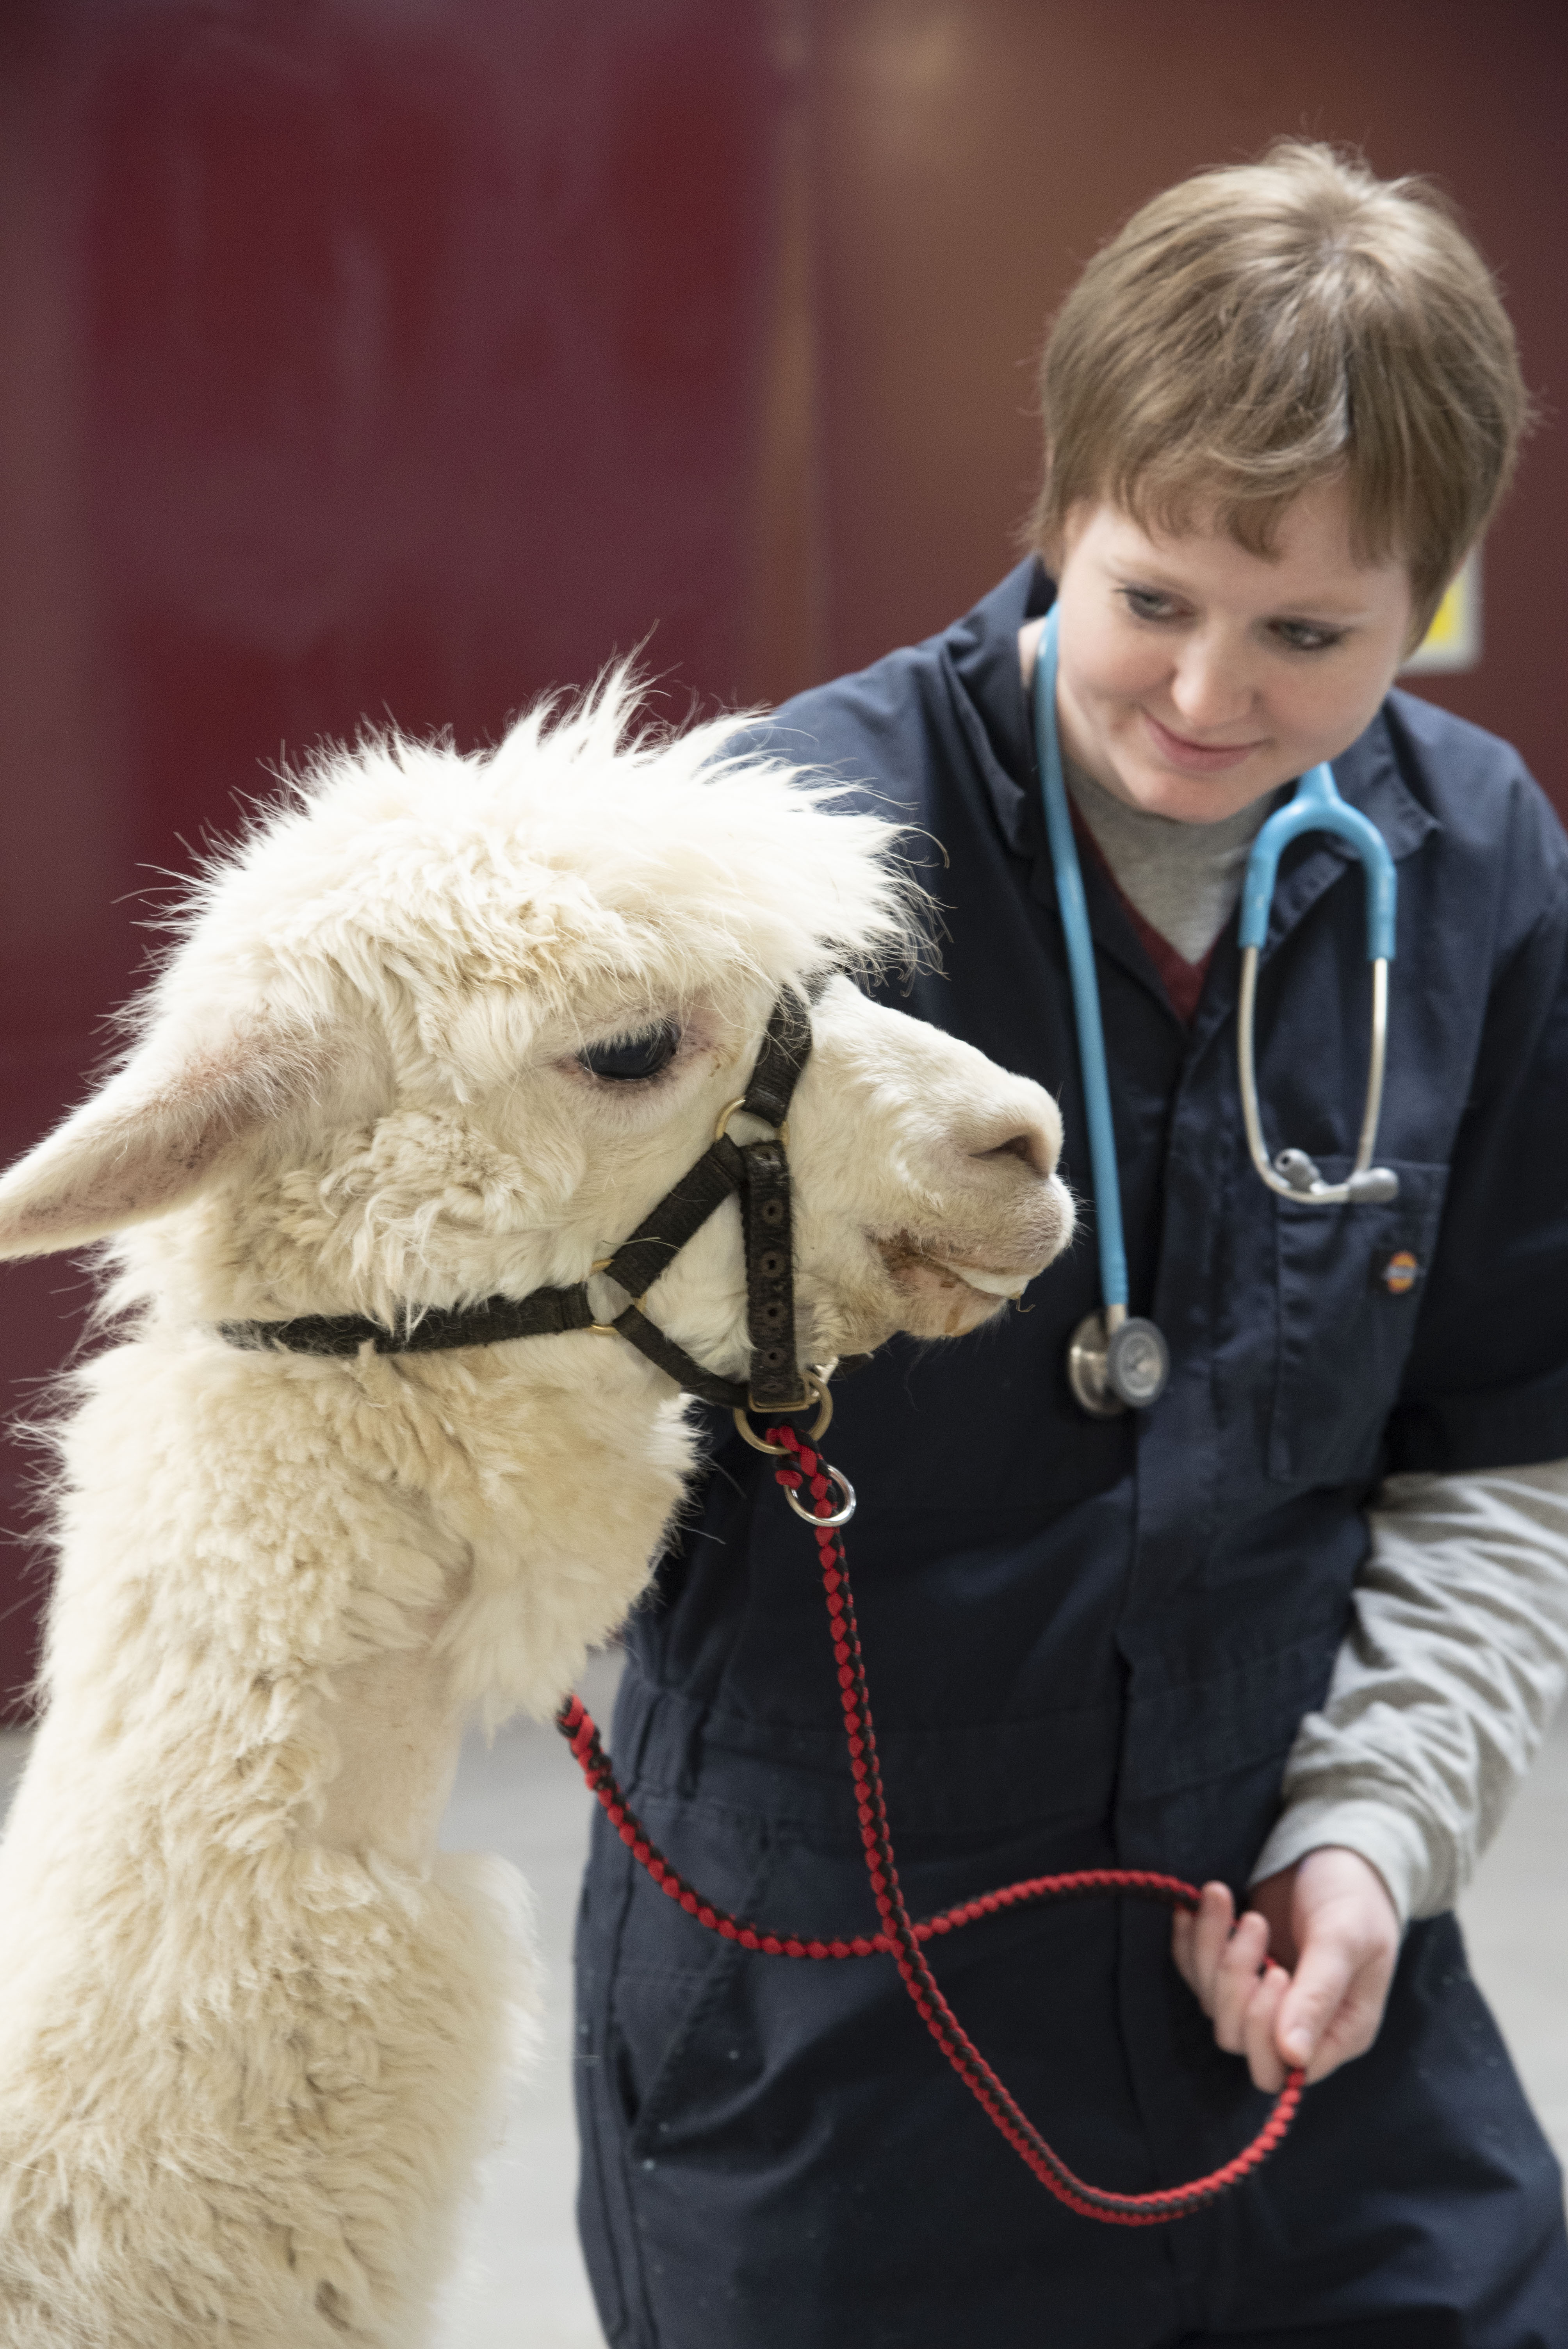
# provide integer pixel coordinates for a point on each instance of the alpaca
(440, 1029)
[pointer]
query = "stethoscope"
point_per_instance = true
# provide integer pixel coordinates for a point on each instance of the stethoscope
(1117, 1360)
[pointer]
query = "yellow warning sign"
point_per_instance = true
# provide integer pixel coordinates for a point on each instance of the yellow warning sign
(1453, 640)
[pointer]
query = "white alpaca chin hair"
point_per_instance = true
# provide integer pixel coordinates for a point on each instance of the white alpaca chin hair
(253, 2027)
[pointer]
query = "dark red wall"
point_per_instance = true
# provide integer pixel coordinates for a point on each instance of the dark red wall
(374, 360)
(971, 156)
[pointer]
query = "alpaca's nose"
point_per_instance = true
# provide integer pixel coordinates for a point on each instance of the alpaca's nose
(1020, 1138)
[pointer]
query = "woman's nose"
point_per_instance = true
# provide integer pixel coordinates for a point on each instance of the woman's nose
(1210, 687)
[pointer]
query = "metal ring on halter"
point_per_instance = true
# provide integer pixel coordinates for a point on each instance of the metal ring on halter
(816, 1391)
(840, 1517)
(608, 1328)
(728, 1111)
(1292, 1174)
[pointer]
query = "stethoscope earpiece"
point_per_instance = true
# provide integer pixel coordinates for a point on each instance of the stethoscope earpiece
(1365, 1186)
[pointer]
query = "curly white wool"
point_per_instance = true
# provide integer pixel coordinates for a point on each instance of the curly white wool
(253, 2027)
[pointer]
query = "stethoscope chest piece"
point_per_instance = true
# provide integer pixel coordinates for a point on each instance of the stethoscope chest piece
(1116, 1362)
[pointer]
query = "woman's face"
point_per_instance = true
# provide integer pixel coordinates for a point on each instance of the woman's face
(1193, 678)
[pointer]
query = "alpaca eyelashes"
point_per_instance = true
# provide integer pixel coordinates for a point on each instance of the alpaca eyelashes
(626, 1057)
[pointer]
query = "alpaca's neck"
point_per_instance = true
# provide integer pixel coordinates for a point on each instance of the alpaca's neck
(346, 1561)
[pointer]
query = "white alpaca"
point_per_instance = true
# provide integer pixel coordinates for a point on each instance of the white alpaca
(251, 2025)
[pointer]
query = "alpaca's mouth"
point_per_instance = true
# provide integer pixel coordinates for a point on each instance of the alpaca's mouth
(914, 1265)
(989, 1284)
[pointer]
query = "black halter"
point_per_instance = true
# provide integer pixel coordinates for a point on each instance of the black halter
(759, 1170)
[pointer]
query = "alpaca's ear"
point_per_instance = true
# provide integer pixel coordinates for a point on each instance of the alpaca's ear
(156, 1132)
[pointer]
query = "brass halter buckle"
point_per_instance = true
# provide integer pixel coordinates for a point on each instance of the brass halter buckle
(815, 1384)
(732, 1108)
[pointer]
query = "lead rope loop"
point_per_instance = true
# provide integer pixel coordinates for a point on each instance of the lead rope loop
(900, 1937)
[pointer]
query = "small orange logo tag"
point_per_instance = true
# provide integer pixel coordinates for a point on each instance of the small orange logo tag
(1401, 1272)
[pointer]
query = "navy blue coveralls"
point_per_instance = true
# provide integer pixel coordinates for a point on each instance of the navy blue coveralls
(1091, 1644)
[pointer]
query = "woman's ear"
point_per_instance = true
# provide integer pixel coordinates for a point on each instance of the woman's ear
(156, 1133)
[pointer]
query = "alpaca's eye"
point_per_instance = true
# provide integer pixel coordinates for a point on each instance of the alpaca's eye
(624, 1057)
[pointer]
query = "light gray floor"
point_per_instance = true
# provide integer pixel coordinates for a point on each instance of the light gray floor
(523, 2285)
(1516, 1921)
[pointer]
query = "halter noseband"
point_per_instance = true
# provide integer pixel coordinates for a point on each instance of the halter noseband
(757, 1171)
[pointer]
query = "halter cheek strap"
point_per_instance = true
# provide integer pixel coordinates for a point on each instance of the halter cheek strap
(757, 1171)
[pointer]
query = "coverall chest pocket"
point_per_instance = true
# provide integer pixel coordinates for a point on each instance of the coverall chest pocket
(1350, 1281)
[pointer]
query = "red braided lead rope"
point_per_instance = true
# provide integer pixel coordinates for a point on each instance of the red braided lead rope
(900, 1937)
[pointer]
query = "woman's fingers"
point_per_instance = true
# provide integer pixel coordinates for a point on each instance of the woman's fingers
(1335, 2004)
(1223, 1961)
(1198, 1939)
(1259, 2043)
(1315, 2010)
(1238, 1979)
(1348, 1934)
(1321, 2014)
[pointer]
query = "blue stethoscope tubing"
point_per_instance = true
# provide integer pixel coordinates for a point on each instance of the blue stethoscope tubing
(1117, 1361)
(1316, 806)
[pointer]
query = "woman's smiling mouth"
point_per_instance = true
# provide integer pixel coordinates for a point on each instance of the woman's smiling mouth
(1196, 758)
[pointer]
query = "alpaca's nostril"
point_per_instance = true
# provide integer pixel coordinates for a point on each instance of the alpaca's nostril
(1028, 1144)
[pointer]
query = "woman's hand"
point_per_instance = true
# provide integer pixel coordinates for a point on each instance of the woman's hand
(1302, 1979)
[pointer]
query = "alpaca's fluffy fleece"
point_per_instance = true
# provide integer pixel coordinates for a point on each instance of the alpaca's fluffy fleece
(252, 2028)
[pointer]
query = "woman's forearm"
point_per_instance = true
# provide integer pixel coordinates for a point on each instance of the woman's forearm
(1444, 1686)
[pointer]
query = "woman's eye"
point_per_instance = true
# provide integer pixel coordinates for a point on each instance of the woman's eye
(1304, 637)
(623, 1058)
(1148, 604)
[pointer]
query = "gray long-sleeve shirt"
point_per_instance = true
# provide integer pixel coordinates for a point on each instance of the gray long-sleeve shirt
(1446, 1683)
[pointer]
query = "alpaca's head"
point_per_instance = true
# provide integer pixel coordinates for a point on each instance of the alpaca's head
(376, 1073)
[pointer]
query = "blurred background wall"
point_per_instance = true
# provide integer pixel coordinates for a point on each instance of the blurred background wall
(401, 358)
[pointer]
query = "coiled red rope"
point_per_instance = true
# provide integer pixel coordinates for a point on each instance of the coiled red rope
(900, 1937)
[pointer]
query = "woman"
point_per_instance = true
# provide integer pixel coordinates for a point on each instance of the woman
(1293, 1631)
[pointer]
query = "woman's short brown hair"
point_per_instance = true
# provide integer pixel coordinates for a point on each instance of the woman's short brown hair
(1264, 327)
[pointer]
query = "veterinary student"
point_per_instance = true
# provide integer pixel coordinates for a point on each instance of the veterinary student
(1293, 1633)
